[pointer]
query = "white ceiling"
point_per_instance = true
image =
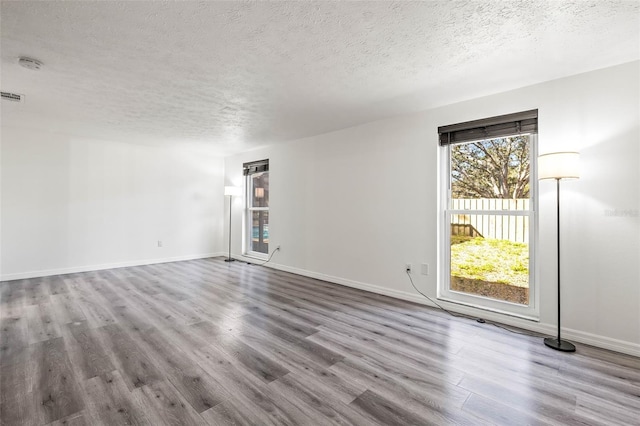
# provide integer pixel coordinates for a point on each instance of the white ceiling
(237, 75)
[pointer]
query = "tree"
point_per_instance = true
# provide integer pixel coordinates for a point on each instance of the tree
(493, 168)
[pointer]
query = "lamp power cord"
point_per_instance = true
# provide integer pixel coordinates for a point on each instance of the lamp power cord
(479, 320)
(269, 259)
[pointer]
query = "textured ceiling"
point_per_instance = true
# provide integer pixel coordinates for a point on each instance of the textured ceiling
(237, 75)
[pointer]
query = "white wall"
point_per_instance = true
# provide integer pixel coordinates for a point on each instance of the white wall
(73, 204)
(354, 206)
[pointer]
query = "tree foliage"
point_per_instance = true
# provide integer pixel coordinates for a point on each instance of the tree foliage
(493, 168)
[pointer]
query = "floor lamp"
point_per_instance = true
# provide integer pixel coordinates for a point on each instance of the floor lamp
(559, 165)
(231, 191)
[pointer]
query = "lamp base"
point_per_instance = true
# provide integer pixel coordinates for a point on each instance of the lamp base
(230, 260)
(559, 345)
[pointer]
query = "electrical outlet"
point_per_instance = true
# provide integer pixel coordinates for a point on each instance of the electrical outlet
(159, 243)
(278, 248)
(424, 269)
(407, 267)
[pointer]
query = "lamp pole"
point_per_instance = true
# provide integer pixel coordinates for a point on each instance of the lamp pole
(558, 248)
(229, 259)
(557, 343)
(231, 191)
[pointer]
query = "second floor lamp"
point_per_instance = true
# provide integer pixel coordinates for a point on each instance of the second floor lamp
(231, 191)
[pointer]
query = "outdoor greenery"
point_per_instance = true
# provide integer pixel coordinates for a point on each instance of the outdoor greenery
(493, 168)
(489, 260)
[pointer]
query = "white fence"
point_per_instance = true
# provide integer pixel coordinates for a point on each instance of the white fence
(498, 226)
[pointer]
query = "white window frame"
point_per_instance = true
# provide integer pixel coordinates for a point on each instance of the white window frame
(531, 311)
(248, 228)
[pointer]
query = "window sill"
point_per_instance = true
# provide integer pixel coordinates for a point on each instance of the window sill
(528, 317)
(256, 256)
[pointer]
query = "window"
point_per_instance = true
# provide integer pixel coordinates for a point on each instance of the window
(257, 214)
(489, 213)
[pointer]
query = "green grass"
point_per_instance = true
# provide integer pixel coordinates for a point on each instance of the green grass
(498, 261)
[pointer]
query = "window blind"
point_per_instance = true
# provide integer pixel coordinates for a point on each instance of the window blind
(255, 167)
(488, 128)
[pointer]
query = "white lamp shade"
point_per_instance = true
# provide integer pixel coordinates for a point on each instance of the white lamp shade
(559, 165)
(233, 191)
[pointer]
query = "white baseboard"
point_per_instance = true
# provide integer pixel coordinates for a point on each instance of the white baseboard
(549, 329)
(89, 268)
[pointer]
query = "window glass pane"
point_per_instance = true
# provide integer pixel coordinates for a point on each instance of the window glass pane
(259, 240)
(260, 190)
(491, 174)
(490, 256)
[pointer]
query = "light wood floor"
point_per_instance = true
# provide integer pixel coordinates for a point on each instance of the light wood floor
(206, 342)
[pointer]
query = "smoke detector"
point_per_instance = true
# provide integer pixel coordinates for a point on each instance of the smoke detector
(29, 63)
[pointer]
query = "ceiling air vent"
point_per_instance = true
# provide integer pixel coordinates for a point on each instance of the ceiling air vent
(13, 97)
